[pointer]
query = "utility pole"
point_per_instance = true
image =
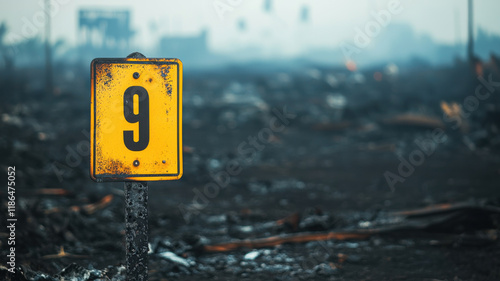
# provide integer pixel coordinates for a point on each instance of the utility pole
(49, 87)
(458, 32)
(470, 42)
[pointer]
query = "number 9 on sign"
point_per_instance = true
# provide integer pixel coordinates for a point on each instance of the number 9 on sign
(141, 117)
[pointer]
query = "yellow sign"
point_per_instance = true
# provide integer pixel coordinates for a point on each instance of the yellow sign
(136, 119)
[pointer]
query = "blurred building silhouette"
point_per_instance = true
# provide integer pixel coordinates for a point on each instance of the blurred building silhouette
(104, 29)
(185, 47)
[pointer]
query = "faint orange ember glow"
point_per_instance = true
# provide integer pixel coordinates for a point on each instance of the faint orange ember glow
(351, 65)
(377, 76)
(479, 69)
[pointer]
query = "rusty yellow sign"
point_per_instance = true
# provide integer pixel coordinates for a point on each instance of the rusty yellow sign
(136, 119)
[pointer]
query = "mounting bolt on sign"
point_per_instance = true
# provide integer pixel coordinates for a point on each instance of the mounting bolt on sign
(136, 136)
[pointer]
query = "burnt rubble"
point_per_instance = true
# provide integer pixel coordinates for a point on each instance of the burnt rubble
(313, 201)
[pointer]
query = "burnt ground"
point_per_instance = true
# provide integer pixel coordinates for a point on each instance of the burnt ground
(324, 172)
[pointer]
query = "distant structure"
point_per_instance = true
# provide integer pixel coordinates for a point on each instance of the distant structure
(102, 29)
(267, 6)
(304, 14)
(242, 25)
(185, 47)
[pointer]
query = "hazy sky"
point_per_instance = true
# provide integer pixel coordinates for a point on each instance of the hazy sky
(280, 31)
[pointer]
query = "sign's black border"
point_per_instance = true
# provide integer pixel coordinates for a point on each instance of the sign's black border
(123, 177)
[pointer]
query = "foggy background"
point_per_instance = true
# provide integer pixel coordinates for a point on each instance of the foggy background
(391, 129)
(220, 32)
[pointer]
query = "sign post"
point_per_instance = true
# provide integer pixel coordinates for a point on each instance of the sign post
(136, 230)
(136, 136)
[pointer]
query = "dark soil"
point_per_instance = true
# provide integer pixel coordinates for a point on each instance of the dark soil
(328, 165)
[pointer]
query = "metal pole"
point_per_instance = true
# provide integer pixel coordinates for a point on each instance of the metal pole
(48, 56)
(136, 230)
(470, 41)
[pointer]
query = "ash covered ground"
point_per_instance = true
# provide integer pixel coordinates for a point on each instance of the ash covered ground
(300, 174)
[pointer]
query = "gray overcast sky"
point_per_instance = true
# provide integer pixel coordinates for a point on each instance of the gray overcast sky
(332, 21)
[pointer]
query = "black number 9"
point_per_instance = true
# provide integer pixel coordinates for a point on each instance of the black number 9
(142, 117)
